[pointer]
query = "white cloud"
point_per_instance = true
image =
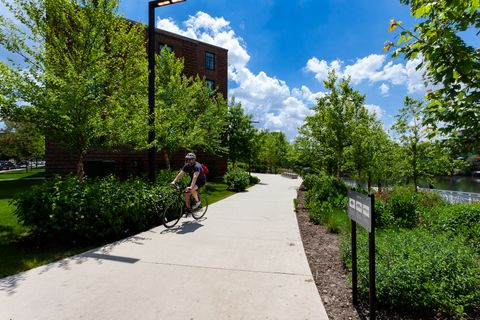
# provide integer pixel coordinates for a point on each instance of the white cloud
(321, 68)
(268, 99)
(373, 68)
(384, 89)
(376, 110)
(365, 68)
(216, 31)
(415, 80)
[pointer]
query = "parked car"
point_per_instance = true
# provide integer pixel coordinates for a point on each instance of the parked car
(23, 164)
(8, 166)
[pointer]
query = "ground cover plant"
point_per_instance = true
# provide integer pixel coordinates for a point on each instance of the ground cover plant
(427, 250)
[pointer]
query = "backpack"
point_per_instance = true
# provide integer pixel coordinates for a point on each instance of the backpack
(204, 168)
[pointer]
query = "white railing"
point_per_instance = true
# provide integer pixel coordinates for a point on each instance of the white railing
(456, 196)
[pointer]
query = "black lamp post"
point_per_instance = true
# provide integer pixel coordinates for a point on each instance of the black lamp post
(151, 81)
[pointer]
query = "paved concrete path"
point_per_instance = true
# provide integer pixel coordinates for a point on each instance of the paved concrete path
(244, 260)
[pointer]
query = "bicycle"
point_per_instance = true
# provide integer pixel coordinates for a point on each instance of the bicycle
(175, 209)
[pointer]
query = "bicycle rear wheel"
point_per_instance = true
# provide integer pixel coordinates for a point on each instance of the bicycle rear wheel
(173, 213)
(200, 211)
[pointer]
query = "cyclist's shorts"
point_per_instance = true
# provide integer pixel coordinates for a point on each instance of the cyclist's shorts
(200, 183)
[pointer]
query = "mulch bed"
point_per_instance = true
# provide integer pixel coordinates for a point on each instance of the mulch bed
(331, 278)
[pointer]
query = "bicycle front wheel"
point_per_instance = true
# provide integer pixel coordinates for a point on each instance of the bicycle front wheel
(173, 213)
(200, 211)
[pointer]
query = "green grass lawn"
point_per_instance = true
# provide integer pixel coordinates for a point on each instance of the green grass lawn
(18, 252)
(20, 174)
(217, 191)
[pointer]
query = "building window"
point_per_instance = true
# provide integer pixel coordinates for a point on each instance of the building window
(163, 45)
(209, 61)
(210, 84)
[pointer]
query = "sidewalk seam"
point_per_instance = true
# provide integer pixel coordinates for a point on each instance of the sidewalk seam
(227, 269)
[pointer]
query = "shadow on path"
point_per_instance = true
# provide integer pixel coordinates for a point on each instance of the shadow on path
(11, 283)
(186, 227)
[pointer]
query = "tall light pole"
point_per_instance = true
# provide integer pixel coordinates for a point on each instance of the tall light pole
(151, 81)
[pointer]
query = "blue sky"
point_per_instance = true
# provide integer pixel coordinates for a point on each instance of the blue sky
(280, 51)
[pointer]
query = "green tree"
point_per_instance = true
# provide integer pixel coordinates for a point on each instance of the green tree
(369, 140)
(412, 134)
(21, 141)
(451, 65)
(274, 148)
(332, 125)
(83, 71)
(240, 134)
(188, 114)
(387, 156)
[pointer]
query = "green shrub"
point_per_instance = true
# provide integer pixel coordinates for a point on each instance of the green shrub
(237, 179)
(253, 179)
(383, 215)
(332, 214)
(420, 271)
(68, 210)
(321, 187)
(459, 220)
(404, 206)
(165, 176)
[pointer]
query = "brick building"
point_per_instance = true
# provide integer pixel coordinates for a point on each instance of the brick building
(200, 58)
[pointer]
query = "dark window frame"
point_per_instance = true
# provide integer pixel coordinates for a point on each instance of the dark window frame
(210, 60)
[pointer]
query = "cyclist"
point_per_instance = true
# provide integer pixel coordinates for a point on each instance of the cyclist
(198, 179)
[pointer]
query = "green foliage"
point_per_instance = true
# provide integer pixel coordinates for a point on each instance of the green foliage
(253, 179)
(82, 79)
(451, 65)
(240, 134)
(326, 201)
(383, 214)
(403, 204)
(417, 270)
(188, 114)
(273, 149)
(330, 214)
(237, 179)
(461, 220)
(21, 141)
(321, 187)
(69, 210)
(331, 128)
(405, 208)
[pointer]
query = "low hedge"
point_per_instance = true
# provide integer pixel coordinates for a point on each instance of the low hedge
(403, 207)
(237, 179)
(321, 187)
(458, 220)
(417, 271)
(68, 210)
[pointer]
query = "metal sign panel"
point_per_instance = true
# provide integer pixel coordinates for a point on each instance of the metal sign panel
(360, 209)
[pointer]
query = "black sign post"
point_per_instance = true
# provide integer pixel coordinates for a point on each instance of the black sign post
(361, 210)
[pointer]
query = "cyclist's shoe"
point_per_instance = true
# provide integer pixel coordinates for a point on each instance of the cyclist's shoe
(188, 211)
(196, 206)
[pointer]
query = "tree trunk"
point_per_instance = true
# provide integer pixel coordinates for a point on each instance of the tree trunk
(167, 158)
(415, 173)
(80, 168)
